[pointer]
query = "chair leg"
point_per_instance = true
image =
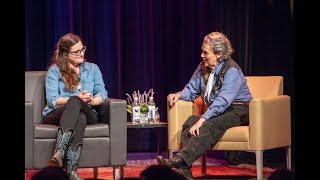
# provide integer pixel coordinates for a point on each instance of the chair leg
(170, 153)
(204, 164)
(116, 172)
(259, 164)
(288, 157)
(121, 172)
(95, 173)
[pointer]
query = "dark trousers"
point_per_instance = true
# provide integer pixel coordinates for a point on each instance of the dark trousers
(76, 114)
(210, 132)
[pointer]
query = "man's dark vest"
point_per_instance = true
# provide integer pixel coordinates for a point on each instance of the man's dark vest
(227, 64)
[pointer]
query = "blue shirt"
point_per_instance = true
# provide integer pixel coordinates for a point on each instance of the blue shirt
(234, 88)
(90, 80)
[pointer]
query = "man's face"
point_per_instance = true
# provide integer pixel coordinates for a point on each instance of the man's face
(208, 57)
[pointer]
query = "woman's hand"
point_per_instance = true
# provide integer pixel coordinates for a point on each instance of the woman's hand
(86, 96)
(194, 130)
(173, 98)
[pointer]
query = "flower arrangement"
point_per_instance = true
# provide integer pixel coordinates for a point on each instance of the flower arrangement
(142, 100)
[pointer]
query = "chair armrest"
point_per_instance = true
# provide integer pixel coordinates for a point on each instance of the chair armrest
(270, 122)
(114, 112)
(28, 138)
(177, 115)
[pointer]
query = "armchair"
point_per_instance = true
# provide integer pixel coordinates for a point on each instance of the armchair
(269, 122)
(103, 144)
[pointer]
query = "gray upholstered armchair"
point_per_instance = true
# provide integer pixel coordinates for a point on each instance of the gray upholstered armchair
(103, 144)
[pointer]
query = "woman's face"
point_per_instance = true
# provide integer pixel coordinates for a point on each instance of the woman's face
(76, 54)
(208, 57)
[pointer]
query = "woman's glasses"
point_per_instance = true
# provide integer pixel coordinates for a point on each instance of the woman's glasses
(77, 53)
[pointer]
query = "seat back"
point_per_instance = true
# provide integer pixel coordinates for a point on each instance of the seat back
(265, 86)
(35, 92)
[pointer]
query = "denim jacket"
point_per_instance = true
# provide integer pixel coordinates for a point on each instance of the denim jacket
(90, 80)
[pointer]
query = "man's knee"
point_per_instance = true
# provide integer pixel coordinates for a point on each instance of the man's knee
(191, 121)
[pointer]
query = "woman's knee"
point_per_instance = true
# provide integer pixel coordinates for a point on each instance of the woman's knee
(73, 102)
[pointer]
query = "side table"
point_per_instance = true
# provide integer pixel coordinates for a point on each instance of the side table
(156, 126)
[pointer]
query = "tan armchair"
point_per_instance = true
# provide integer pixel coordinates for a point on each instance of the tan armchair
(269, 122)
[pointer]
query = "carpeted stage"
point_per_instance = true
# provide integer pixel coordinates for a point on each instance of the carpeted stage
(217, 168)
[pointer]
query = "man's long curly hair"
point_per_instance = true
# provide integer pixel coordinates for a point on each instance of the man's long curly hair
(219, 44)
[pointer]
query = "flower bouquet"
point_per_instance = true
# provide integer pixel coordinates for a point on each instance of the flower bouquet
(142, 102)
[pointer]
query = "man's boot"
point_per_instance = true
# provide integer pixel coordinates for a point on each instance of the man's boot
(185, 171)
(174, 162)
(72, 160)
(62, 143)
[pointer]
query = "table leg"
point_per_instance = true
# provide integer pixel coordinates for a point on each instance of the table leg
(158, 141)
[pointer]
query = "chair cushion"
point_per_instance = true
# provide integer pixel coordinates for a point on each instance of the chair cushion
(236, 134)
(97, 130)
(47, 131)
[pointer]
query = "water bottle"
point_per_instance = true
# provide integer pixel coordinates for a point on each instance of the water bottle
(135, 111)
(157, 117)
(152, 107)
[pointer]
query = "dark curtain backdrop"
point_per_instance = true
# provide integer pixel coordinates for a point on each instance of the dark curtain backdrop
(143, 44)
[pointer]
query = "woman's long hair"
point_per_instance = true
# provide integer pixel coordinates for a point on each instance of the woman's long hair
(69, 76)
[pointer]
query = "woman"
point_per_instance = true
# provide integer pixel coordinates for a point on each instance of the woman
(73, 88)
(223, 87)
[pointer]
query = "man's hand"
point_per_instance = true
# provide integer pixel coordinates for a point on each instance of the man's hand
(173, 98)
(194, 130)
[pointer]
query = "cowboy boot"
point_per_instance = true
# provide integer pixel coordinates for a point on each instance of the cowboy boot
(72, 160)
(62, 142)
(174, 162)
